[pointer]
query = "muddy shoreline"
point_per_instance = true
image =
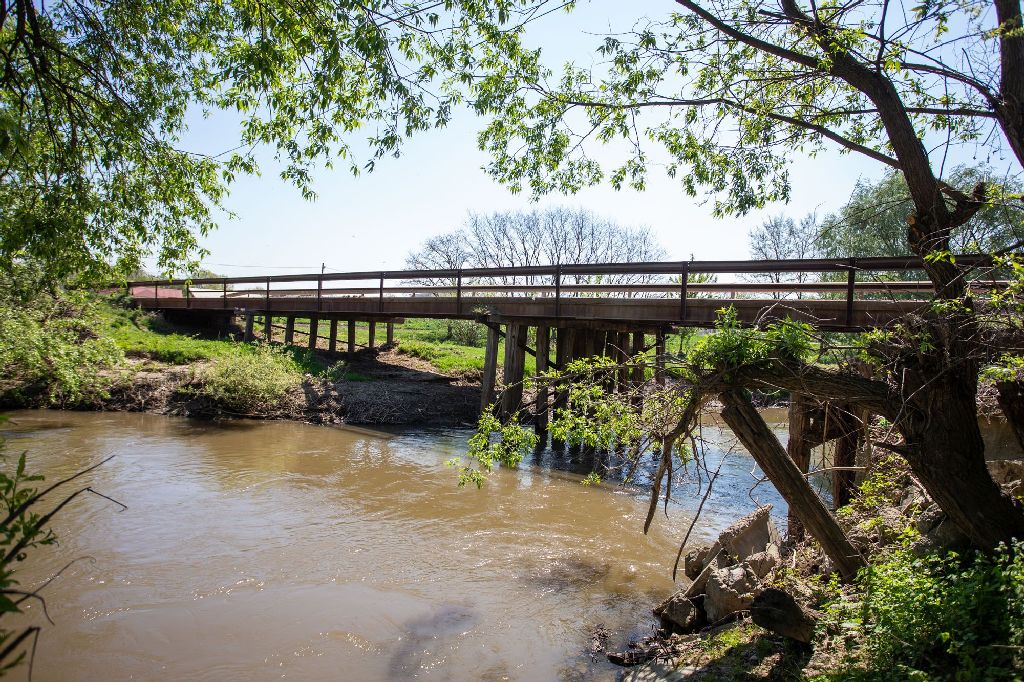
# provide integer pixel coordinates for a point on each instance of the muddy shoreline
(390, 390)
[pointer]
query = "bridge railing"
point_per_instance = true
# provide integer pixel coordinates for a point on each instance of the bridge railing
(828, 279)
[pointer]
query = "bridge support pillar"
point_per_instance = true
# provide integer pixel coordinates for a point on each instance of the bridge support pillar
(515, 361)
(314, 332)
(373, 334)
(351, 340)
(488, 380)
(249, 318)
(391, 333)
(289, 330)
(268, 327)
(563, 356)
(540, 423)
(332, 343)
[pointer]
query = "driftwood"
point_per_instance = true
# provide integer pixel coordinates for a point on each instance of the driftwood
(777, 611)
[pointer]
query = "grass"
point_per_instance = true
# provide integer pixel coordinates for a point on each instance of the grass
(142, 335)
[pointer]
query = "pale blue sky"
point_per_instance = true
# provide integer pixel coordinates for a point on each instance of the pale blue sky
(371, 222)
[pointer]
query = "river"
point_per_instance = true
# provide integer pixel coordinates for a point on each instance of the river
(268, 550)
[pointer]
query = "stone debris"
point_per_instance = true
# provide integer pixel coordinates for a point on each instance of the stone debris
(726, 575)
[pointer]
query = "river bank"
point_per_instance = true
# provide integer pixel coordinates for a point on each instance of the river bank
(376, 389)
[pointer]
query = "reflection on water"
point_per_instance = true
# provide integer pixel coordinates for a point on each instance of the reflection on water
(257, 550)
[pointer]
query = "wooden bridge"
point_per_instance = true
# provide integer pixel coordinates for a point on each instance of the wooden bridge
(607, 308)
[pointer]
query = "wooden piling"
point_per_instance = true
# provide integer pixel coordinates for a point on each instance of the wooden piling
(659, 360)
(515, 361)
(268, 327)
(249, 336)
(487, 381)
(540, 422)
(391, 333)
(289, 330)
(351, 340)
(314, 332)
(332, 343)
(373, 334)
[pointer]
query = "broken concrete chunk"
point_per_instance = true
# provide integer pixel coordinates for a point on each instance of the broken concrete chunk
(697, 559)
(751, 534)
(763, 562)
(729, 591)
(679, 614)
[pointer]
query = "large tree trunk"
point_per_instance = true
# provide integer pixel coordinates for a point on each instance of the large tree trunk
(1011, 401)
(947, 454)
(742, 417)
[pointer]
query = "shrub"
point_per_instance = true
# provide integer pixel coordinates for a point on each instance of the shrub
(945, 616)
(252, 381)
(50, 353)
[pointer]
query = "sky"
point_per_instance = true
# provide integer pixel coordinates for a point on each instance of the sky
(371, 222)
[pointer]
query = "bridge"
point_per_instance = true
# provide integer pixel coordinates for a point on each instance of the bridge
(594, 309)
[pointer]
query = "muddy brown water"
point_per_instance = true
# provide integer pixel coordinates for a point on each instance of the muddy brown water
(269, 550)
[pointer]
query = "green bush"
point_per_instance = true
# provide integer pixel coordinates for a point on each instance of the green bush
(461, 332)
(50, 353)
(253, 381)
(951, 616)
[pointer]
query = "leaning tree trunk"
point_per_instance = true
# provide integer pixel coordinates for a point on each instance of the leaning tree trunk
(742, 417)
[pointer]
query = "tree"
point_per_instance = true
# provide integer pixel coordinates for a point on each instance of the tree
(782, 238)
(737, 88)
(554, 236)
(874, 221)
(95, 97)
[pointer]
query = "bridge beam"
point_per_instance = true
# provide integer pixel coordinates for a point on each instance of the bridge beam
(351, 340)
(289, 330)
(248, 327)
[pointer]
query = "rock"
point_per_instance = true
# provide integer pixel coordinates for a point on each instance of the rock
(763, 562)
(719, 560)
(1006, 470)
(913, 500)
(1009, 474)
(679, 614)
(937, 531)
(751, 534)
(777, 611)
(729, 590)
(697, 559)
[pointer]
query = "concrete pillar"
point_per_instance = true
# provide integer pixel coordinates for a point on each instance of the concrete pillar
(391, 333)
(515, 360)
(248, 327)
(351, 340)
(314, 332)
(332, 343)
(373, 334)
(540, 422)
(487, 381)
(289, 330)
